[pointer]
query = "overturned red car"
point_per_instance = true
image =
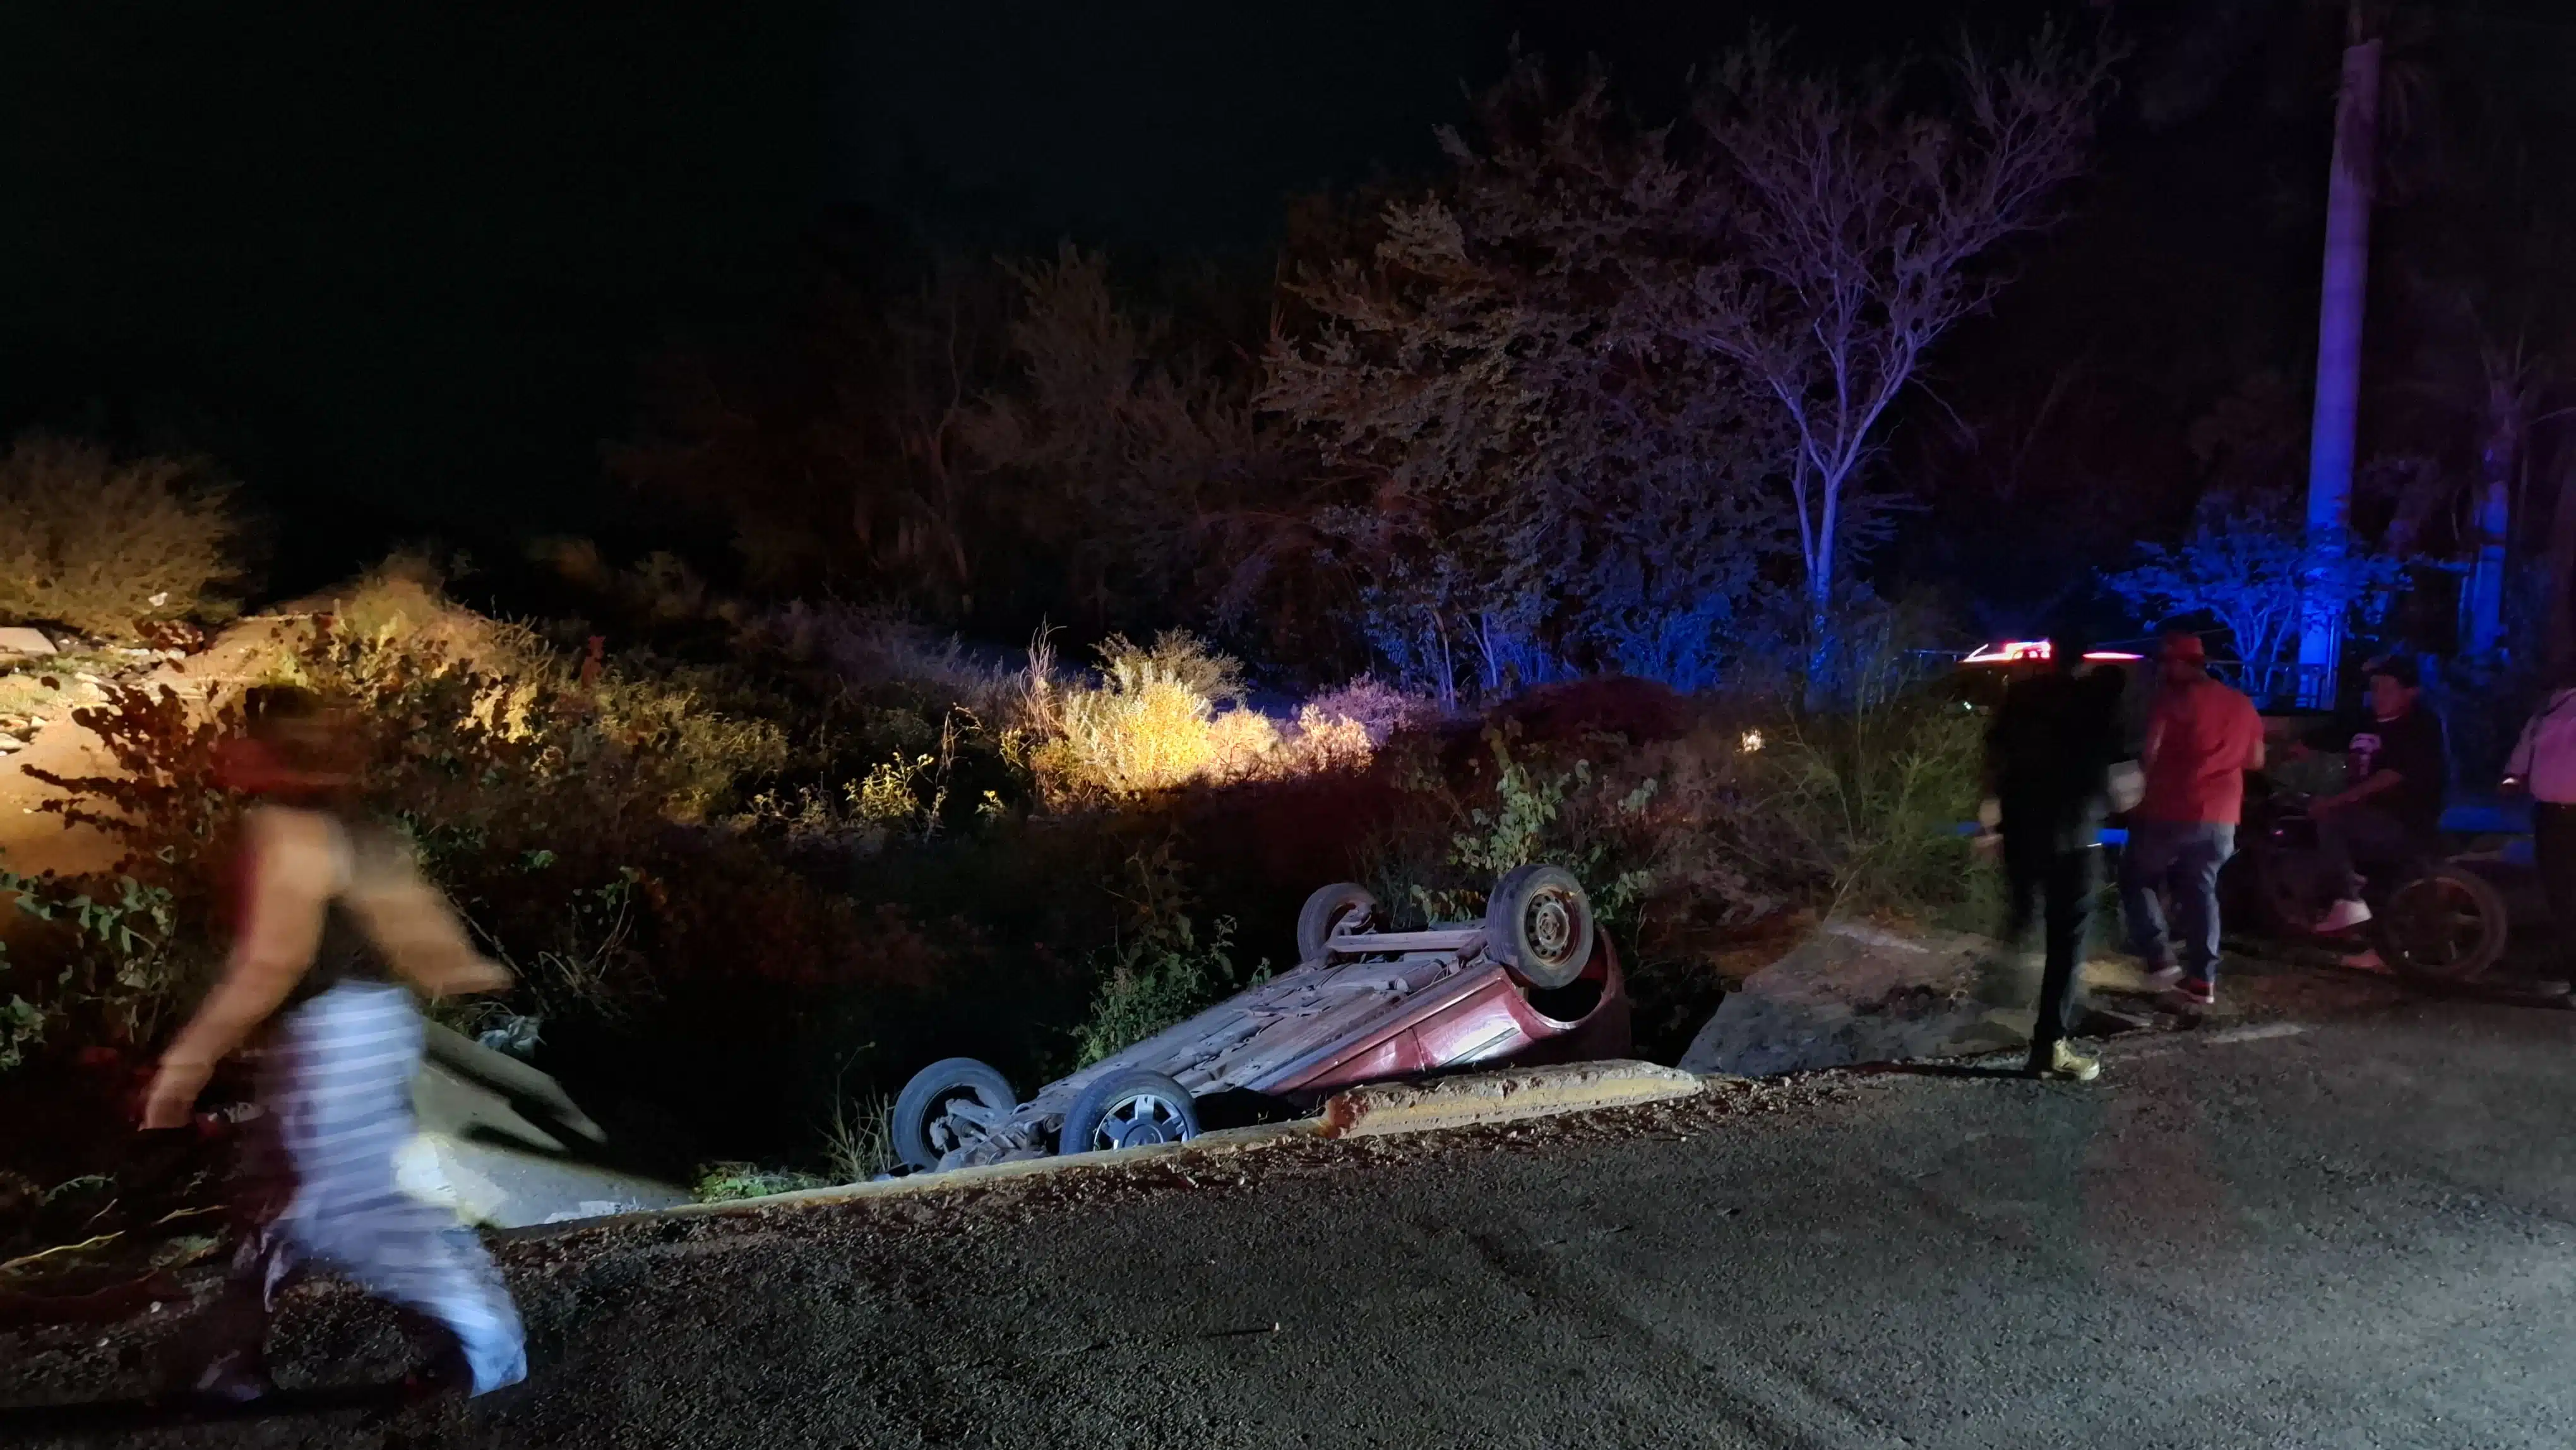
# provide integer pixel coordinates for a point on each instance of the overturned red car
(1534, 981)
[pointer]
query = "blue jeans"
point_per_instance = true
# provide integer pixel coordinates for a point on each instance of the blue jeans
(2179, 858)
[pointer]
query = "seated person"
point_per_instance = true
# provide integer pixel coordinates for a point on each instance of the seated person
(2390, 809)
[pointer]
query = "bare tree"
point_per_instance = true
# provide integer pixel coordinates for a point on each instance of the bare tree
(1859, 229)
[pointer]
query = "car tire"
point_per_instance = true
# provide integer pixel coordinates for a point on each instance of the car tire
(1325, 912)
(926, 1099)
(2447, 925)
(1129, 1109)
(1538, 922)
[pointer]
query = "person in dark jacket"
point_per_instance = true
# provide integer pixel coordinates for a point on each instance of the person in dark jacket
(2049, 754)
(2397, 766)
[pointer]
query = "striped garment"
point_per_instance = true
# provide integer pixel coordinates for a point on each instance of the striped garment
(337, 1089)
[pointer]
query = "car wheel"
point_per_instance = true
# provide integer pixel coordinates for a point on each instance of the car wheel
(2448, 925)
(1538, 922)
(1129, 1109)
(1338, 907)
(946, 1104)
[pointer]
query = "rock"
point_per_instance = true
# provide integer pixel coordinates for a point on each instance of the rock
(497, 1186)
(501, 1145)
(1853, 992)
(19, 639)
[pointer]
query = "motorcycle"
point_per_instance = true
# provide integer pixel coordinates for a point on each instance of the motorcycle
(2433, 918)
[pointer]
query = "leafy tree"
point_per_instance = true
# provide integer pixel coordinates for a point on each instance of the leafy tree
(840, 463)
(2255, 568)
(1134, 447)
(1532, 462)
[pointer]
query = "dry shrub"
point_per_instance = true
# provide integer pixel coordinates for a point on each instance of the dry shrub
(103, 960)
(870, 647)
(1242, 745)
(1379, 709)
(1324, 740)
(1859, 808)
(395, 633)
(402, 605)
(1148, 724)
(108, 546)
(1170, 715)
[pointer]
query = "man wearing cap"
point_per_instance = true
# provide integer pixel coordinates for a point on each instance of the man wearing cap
(2201, 739)
(2396, 767)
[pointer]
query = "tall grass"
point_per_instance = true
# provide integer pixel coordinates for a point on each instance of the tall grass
(1868, 800)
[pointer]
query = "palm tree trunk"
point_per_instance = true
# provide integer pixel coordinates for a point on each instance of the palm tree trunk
(2345, 296)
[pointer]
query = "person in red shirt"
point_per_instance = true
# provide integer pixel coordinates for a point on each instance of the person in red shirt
(2201, 739)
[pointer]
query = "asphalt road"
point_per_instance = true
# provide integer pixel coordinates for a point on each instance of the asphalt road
(2351, 1233)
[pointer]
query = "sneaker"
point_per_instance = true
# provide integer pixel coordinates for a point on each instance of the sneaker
(2164, 976)
(233, 1379)
(2368, 959)
(2196, 992)
(2344, 915)
(2065, 1064)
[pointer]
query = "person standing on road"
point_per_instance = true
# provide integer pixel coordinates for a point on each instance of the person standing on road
(334, 921)
(2049, 754)
(2202, 737)
(2397, 767)
(2544, 767)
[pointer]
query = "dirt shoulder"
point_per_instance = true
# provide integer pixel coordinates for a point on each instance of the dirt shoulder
(33, 840)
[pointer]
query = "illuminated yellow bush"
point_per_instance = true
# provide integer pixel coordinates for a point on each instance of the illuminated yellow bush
(109, 546)
(1329, 741)
(394, 639)
(1169, 716)
(1143, 729)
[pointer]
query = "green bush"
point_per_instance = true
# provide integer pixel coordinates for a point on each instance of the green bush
(1159, 972)
(1514, 805)
(1158, 978)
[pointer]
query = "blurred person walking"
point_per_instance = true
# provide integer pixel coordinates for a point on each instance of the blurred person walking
(2201, 739)
(334, 921)
(2543, 766)
(2049, 754)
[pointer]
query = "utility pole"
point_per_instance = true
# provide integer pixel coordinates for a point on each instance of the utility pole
(2345, 297)
(2484, 604)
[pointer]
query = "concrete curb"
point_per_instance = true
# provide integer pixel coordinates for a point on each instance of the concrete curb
(1501, 1097)
(1375, 1110)
(1205, 1145)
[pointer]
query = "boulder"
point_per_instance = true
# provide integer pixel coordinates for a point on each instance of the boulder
(502, 1146)
(1856, 992)
(19, 639)
(496, 1184)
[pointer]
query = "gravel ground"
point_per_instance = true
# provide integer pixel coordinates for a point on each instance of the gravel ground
(2350, 1230)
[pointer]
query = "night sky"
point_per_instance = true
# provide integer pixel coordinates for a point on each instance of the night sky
(403, 260)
